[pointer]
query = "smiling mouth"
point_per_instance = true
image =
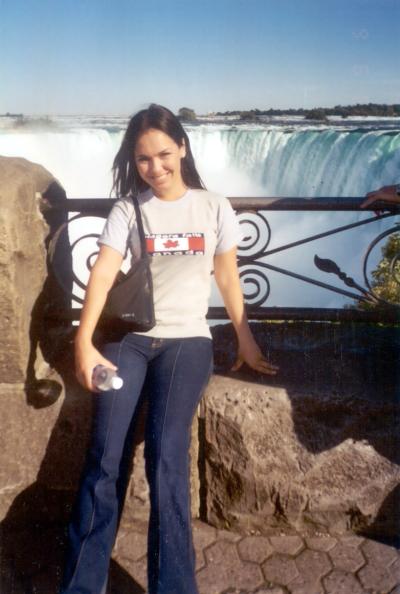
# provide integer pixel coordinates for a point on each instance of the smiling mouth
(159, 178)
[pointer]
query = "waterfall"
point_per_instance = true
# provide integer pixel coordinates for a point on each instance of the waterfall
(252, 160)
(298, 163)
(297, 160)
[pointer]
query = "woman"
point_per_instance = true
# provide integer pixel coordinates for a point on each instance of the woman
(189, 232)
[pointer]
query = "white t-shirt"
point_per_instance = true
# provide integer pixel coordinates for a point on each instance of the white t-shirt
(182, 237)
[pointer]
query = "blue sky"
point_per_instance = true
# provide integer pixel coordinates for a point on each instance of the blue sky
(115, 56)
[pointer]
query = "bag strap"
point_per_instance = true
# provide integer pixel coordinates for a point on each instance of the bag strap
(139, 223)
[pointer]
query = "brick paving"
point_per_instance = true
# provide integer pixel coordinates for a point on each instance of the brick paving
(226, 563)
(230, 563)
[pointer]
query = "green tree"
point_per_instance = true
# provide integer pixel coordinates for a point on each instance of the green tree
(386, 276)
(316, 114)
(186, 114)
(248, 116)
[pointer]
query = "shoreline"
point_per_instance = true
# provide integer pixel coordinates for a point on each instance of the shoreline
(115, 123)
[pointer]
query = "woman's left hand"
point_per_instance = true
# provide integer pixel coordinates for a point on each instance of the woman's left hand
(251, 354)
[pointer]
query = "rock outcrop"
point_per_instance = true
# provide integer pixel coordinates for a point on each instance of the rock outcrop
(22, 260)
(25, 431)
(315, 448)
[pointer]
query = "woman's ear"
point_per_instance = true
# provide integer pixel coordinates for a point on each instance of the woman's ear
(182, 149)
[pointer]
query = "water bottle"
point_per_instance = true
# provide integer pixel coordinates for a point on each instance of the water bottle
(104, 379)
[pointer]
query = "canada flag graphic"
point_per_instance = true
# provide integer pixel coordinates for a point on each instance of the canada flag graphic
(184, 244)
(171, 244)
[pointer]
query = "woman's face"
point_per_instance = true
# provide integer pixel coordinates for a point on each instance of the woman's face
(158, 161)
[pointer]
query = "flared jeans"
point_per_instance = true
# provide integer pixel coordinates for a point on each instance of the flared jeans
(175, 372)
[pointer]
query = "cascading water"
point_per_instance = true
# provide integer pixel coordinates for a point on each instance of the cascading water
(298, 163)
(246, 160)
(287, 159)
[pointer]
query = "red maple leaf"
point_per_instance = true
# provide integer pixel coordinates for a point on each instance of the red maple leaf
(171, 244)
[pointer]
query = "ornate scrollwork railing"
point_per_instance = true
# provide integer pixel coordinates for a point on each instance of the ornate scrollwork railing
(254, 264)
(255, 251)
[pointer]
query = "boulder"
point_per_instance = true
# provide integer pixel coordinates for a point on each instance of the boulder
(25, 428)
(22, 260)
(315, 448)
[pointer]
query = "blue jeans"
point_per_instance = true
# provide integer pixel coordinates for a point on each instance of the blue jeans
(176, 371)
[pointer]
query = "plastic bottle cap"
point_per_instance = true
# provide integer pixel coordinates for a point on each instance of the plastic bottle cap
(117, 383)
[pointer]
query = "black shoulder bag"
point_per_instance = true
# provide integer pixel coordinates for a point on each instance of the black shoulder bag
(129, 306)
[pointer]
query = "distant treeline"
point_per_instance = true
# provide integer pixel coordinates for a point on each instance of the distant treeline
(320, 113)
(11, 115)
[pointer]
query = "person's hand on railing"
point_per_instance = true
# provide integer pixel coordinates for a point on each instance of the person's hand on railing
(386, 194)
(251, 354)
(86, 359)
(226, 274)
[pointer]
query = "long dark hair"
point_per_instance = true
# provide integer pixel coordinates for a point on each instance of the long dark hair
(126, 179)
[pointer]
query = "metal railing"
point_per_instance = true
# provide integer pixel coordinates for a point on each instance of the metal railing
(254, 257)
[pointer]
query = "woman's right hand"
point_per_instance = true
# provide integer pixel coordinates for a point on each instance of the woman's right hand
(86, 359)
(101, 278)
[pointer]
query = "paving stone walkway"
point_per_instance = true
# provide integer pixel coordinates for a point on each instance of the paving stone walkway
(229, 563)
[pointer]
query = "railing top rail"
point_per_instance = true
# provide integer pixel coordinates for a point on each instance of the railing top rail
(248, 203)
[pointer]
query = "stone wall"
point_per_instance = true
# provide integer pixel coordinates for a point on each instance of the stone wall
(315, 448)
